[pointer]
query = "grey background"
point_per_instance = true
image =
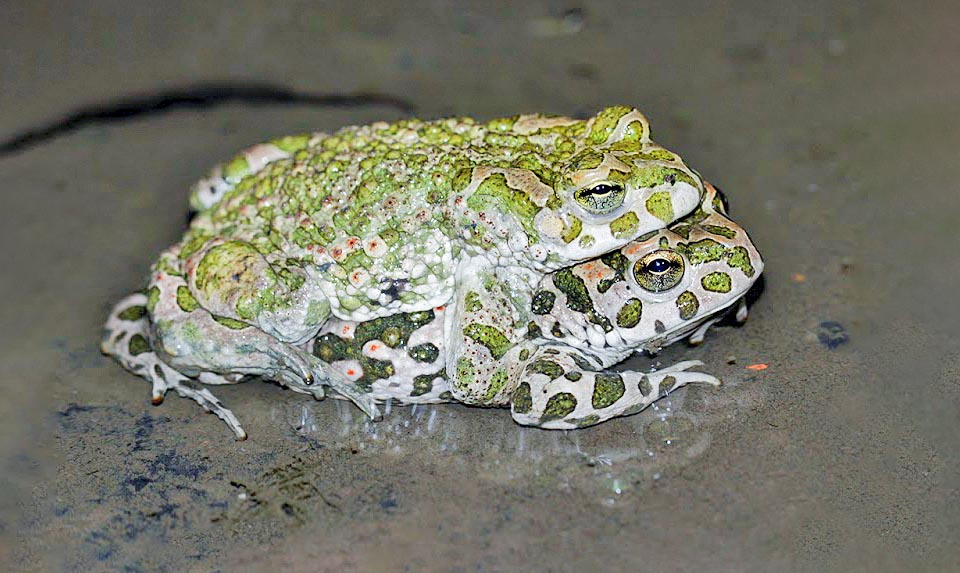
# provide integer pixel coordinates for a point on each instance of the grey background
(833, 128)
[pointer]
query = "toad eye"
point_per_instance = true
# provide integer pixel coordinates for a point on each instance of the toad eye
(659, 271)
(600, 198)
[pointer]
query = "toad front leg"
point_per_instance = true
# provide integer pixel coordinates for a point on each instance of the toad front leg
(563, 389)
(487, 350)
(127, 339)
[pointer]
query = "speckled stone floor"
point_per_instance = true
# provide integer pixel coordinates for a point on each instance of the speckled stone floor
(833, 127)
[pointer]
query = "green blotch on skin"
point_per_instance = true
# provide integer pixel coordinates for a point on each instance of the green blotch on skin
(558, 406)
(534, 331)
(524, 354)
(153, 297)
(572, 229)
(356, 259)
(587, 241)
(619, 264)
(472, 302)
(390, 236)
(548, 368)
(626, 224)
(235, 267)
(634, 131)
(230, 323)
(660, 205)
(666, 384)
(696, 217)
(391, 336)
(739, 258)
(578, 298)
(427, 352)
(646, 236)
(392, 330)
(503, 124)
(586, 421)
(654, 175)
(138, 345)
(616, 261)
(659, 155)
(331, 348)
(466, 372)
(236, 169)
(423, 384)
(718, 205)
(395, 330)
(607, 389)
(290, 279)
(496, 193)
(703, 251)
(630, 313)
(682, 230)
(292, 143)
(169, 266)
(604, 284)
(349, 303)
(605, 122)
(557, 331)
(497, 382)
(494, 340)
(586, 159)
(543, 302)
(722, 231)
(461, 180)
(581, 363)
(644, 386)
(573, 375)
(133, 313)
(716, 282)
(521, 400)
(633, 149)
(373, 370)
(185, 299)
(436, 196)
(688, 304)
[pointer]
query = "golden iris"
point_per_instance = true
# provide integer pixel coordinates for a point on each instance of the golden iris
(659, 271)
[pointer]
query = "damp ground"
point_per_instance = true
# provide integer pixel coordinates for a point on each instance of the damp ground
(832, 127)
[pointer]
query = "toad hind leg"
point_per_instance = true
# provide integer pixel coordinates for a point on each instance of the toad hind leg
(127, 339)
(167, 338)
(192, 340)
(562, 389)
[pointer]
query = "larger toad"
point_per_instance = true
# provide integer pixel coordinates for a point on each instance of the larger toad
(395, 218)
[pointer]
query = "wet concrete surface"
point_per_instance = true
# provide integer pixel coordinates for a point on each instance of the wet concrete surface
(833, 129)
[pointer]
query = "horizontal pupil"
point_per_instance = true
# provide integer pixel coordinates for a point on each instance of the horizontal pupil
(602, 189)
(658, 266)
